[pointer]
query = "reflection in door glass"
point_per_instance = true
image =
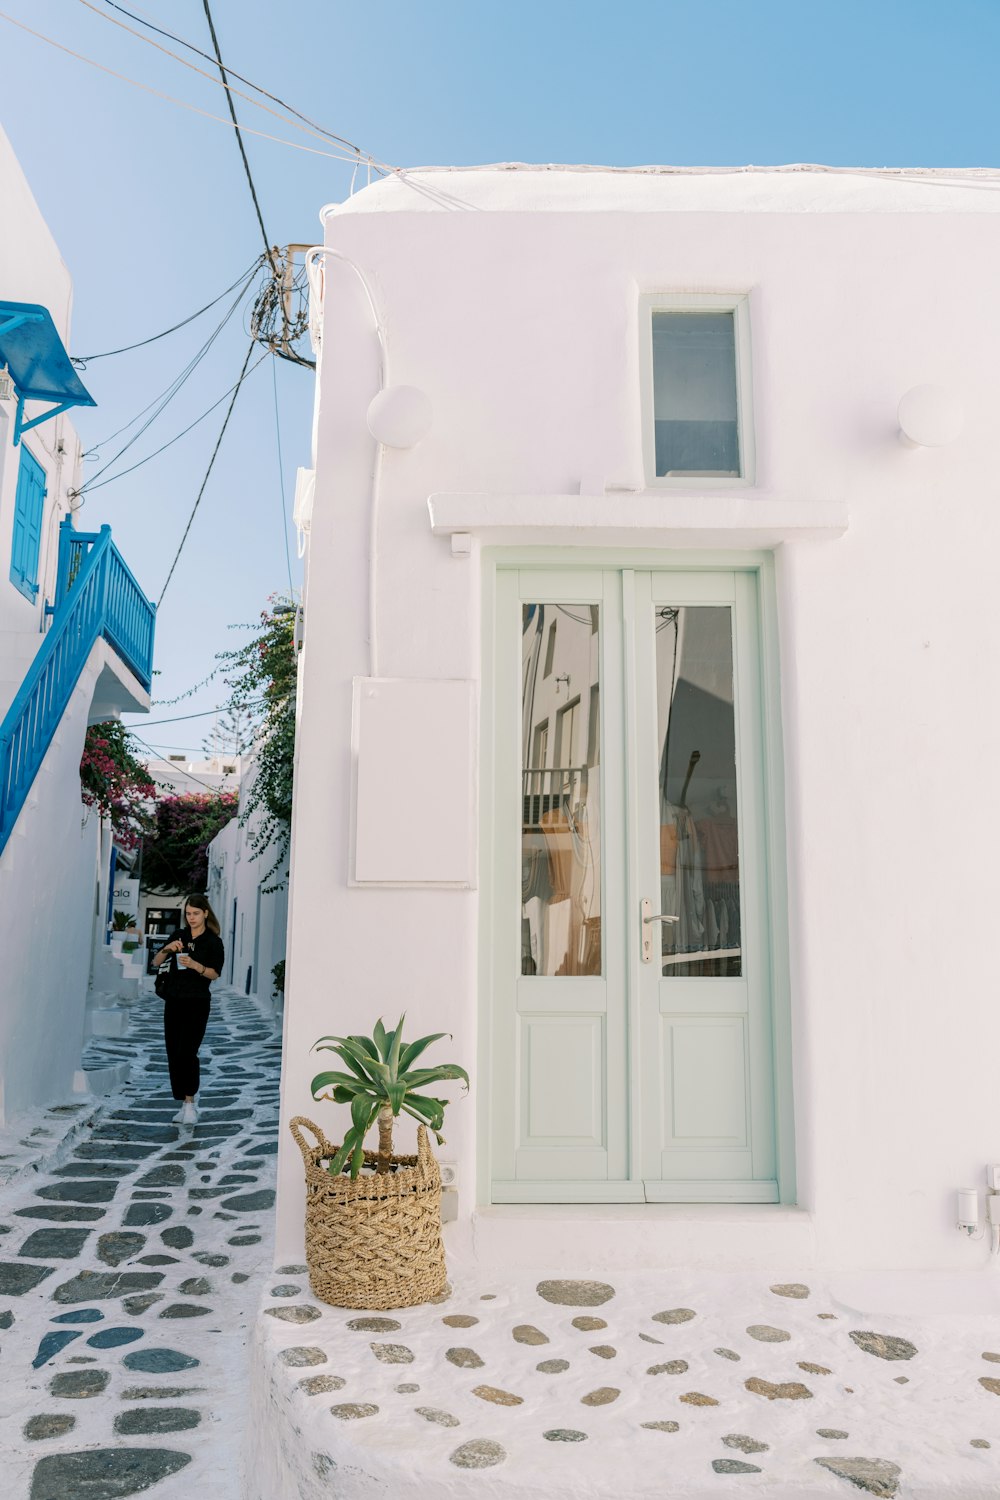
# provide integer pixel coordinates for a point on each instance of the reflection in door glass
(699, 850)
(560, 790)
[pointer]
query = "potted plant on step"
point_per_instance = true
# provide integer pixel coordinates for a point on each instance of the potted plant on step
(373, 1220)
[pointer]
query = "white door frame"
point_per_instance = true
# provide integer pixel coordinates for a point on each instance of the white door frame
(544, 559)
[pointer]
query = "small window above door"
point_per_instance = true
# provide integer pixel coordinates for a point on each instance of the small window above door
(697, 392)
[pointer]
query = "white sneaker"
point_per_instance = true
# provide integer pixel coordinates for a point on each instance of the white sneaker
(189, 1115)
(179, 1116)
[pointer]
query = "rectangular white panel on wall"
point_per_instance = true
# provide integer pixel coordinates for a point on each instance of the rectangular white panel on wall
(414, 752)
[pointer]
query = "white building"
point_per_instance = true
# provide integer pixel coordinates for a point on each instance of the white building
(644, 667)
(76, 638)
(250, 897)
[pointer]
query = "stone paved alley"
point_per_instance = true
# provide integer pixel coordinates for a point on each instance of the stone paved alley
(137, 1273)
(131, 1264)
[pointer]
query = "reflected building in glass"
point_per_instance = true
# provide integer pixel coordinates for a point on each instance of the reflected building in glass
(561, 796)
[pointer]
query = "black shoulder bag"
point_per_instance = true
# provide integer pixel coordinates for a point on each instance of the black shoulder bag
(165, 977)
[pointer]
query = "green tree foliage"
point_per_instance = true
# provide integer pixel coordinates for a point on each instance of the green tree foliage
(262, 677)
(175, 855)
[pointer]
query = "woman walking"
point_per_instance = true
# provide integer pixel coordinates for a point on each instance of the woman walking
(200, 955)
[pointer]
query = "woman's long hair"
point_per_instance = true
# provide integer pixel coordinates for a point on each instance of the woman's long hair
(200, 903)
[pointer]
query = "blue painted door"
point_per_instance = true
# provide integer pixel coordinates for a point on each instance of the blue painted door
(26, 543)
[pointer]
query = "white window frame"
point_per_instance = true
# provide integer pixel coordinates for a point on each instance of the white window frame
(738, 303)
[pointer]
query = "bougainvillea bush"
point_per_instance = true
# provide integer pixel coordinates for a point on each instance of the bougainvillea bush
(114, 780)
(175, 853)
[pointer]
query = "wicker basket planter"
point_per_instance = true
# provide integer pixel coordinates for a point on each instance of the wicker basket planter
(374, 1242)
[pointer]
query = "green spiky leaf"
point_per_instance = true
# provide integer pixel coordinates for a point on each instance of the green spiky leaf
(381, 1074)
(341, 1154)
(396, 1093)
(447, 1071)
(396, 1038)
(363, 1111)
(325, 1081)
(366, 1044)
(431, 1109)
(354, 1057)
(410, 1054)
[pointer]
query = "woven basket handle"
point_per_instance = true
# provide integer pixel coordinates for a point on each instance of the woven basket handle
(425, 1155)
(308, 1151)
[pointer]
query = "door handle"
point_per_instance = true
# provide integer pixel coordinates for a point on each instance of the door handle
(648, 917)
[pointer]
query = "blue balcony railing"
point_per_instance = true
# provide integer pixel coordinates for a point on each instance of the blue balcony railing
(96, 595)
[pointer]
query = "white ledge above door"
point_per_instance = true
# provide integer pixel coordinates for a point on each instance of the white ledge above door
(637, 518)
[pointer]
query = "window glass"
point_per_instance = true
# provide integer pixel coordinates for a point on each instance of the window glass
(699, 842)
(560, 790)
(696, 415)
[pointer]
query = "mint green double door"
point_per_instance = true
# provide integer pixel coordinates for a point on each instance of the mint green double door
(630, 1006)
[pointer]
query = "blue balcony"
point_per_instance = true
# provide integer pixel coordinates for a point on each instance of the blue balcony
(96, 596)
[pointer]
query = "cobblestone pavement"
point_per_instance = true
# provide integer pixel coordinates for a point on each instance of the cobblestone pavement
(678, 1383)
(130, 1271)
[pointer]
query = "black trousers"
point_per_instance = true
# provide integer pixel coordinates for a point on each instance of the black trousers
(184, 1023)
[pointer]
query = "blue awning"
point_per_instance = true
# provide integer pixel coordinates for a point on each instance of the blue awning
(38, 363)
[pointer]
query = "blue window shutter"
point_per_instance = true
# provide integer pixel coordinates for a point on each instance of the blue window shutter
(26, 543)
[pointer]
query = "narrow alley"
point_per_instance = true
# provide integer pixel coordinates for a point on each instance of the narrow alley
(131, 1264)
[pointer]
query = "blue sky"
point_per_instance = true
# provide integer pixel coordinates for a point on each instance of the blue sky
(150, 207)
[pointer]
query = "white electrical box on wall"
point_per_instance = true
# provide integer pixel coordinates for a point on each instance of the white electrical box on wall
(414, 755)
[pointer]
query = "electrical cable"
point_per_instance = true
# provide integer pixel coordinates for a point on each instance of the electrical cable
(275, 285)
(203, 714)
(268, 248)
(161, 402)
(319, 129)
(183, 771)
(81, 361)
(281, 479)
(172, 99)
(175, 439)
(211, 462)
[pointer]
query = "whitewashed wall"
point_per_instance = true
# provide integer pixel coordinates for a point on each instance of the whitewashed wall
(49, 868)
(50, 914)
(31, 270)
(510, 298)
(256, 941)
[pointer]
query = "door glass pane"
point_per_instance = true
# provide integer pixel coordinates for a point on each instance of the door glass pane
(560, 790)
(699, 849)
(694, 394)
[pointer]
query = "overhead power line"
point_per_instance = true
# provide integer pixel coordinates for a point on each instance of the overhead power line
(205, 713)
(268, 249)
(81, 361)
(182, 103)
(211, 463)
(160, 404)
(312, 124)
(181, 770)
(177, 436)
(276, 295)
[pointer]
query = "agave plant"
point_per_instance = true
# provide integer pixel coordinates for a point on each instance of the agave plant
(382, 1082)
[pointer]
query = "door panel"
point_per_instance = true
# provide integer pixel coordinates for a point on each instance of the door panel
(707, 1109)
(559, 1034)
(629, 805)
(562, 1092)
(705, 1081)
